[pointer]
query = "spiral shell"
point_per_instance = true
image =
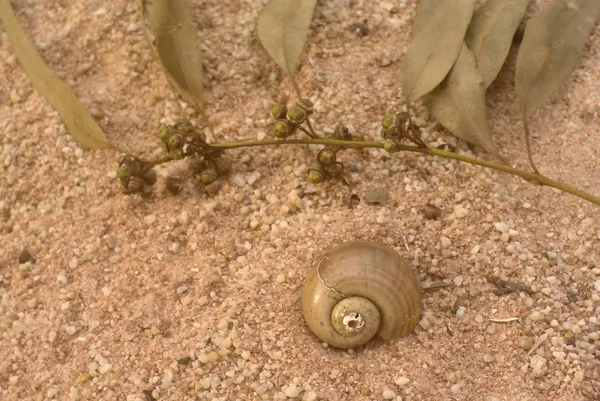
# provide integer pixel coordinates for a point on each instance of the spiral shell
(360, 289)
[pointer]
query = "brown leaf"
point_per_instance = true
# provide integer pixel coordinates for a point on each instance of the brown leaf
(283, 28)
(551, 48)
(458, 103)
(425, 10)
(491, 32)
(171, 33)
(79, 122)
(435, 47)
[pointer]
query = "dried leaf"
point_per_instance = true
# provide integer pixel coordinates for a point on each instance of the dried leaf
(551, 48)
(425, 10)
(435, 47)
(79, 122)
(491, 32)
(283, 28)
(458, 103)
(170, 31)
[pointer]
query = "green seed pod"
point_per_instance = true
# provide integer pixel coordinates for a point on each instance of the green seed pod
(390, 145)
(278, 111)
(296, 115)
(184, 125)
(223, 165)
(282, 129)
(175, 156)
(150, 177)
(307, 105)
(123, 172)
(176, 141)
(164, 134)
(335, 171)
(208, 176)
(315, 176)
(342, 132)
(326, 157)
(388, 121)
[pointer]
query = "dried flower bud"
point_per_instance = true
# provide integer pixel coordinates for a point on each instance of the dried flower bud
(184, 125)
(307, 105)
(390, 145)
(222, 165)
(208, 176)
(176, 141)
(134, 185)
(123, 172)
(296, 115)
(342, 132)
(335, 171)
(278, 111)
(388, 121)
(315, 176)
(164, 134)
(282, 129)
(150, 177)
(326, 157)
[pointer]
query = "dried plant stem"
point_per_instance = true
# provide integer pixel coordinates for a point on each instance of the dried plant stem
(528, 145)
(526, 175)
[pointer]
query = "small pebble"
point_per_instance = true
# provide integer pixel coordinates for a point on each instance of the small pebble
(388, 395)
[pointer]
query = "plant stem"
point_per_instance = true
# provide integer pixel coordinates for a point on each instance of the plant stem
(526, 175)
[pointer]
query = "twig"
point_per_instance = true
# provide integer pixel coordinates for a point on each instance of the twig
(505, 287)
(526, 175)
(528, 145)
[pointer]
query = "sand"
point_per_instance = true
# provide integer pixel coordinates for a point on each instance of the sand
(196, 296)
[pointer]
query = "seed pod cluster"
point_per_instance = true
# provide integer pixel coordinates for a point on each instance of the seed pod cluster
(135, 176)
(287, 120)
(182, 139)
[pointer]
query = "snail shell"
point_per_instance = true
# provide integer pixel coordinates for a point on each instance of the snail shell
(360, 289)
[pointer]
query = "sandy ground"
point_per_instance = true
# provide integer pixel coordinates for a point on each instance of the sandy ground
(197, 297)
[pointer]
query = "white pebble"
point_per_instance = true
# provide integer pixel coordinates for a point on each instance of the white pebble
(402, 381)
(388, 395)
(446, 243)
(309, 396)
(502, 227)
(597, 285)
(461, 312)
(291, 391)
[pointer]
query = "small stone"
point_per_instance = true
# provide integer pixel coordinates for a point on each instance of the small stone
(502, 227)
(104, 369)
(253, 177)
(461, 312)
(537, 316)
(388, 395)
(167, 379)
(25, 256)
(291, 391)
(402, 381)
(458, 280)
(376, 196)
(455, 389)
(431, 212)
(309, 396)
(537, 363)
(488, 358)
(446, 243)
(526, 342)
(597, 285)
